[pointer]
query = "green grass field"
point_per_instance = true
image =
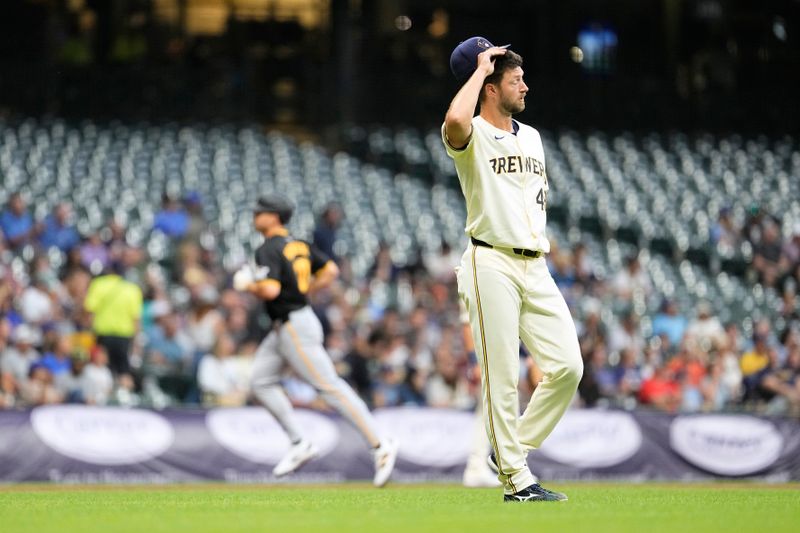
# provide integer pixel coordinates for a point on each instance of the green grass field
(407, 508)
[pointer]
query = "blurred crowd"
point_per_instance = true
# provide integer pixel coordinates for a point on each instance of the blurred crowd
(89, 318)
(775, 257)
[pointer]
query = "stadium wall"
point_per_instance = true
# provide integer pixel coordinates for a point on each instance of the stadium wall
(83, 444)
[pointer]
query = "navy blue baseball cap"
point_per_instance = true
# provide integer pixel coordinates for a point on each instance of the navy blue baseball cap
(464, 59)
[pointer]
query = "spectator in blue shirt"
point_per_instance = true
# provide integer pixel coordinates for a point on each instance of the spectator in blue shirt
(58, 231)
(325, 232)
(670, 323)
(169, 350)
(412, 392)
(57, 360)
(16, 222)
(173, 220)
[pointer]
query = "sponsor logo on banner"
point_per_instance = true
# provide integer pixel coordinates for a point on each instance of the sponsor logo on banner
(430, 437)
(593, 439)
(253, 434)
(103, 435)
(733, 445)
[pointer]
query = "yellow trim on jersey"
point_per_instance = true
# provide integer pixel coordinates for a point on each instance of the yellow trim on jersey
(326, 266)
(299, 255)
(486, 372)
(294, 249)
(278, 232)
(373, 439)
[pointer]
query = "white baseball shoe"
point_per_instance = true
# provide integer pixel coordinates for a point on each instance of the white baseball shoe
(478, 475)
(298, 455)
(385, 456)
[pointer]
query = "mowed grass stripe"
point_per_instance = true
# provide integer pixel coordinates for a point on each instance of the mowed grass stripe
(348, 507)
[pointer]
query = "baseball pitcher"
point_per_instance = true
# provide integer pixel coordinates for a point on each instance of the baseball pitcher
(503, 278)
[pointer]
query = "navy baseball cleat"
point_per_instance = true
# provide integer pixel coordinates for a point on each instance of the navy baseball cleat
(535, 493)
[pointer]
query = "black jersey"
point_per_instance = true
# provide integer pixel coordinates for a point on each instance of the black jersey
(292, 263)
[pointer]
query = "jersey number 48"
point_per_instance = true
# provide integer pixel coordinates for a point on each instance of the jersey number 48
(541, 199)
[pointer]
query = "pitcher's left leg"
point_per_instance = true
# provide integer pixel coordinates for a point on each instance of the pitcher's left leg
(547, 329)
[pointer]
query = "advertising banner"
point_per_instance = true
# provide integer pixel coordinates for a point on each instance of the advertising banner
(83, 444)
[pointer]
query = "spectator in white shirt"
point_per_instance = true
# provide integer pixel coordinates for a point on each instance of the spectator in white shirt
(442, 264)
(35, 303)
(38, 389)
(16, 361)
(96, 380)
(218, 375)
(706, 328)
(626, 335)
(448, 386)
(632, 279)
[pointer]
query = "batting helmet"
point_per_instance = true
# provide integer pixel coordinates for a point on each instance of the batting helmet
(275, 203)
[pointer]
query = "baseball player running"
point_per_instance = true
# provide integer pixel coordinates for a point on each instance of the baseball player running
(503, 278)
(287, 271)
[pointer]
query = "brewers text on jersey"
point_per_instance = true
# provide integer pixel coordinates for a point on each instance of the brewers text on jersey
(516, 164)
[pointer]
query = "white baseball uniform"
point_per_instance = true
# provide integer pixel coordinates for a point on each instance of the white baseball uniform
(511, 295)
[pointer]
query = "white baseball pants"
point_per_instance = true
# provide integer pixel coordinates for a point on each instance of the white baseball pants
(511, 297)
(298, 343)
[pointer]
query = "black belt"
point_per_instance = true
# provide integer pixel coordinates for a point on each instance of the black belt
(519, 251)
(279, 320)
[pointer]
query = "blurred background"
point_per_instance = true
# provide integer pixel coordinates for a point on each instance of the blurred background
(314, 64)
(135, 134)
